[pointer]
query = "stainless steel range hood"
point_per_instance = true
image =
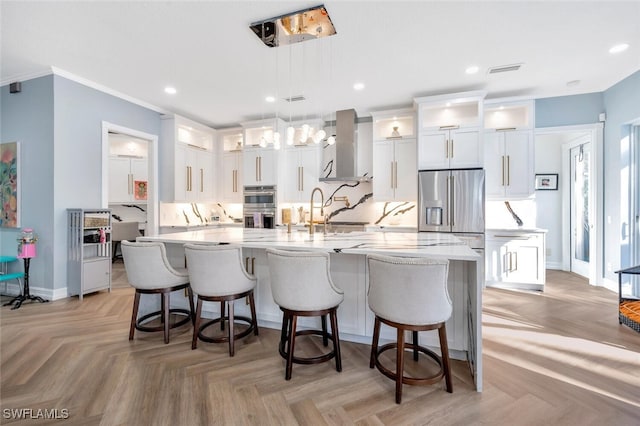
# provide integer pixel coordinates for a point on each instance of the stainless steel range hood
(342, 157)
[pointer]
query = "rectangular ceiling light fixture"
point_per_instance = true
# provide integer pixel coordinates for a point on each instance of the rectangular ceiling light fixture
(295, 27)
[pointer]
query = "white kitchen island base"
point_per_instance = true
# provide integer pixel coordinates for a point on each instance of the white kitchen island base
(349, 272)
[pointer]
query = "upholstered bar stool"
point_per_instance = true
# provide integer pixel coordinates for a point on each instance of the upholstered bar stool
(410, 294)
(149, 272)
(217, 275)
(301, 285)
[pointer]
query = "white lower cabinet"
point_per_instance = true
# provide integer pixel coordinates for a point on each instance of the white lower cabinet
(515, 259)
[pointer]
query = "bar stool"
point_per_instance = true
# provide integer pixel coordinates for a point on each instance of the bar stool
(410, 294)
(149, 272)
(301, 285)
(217, 275)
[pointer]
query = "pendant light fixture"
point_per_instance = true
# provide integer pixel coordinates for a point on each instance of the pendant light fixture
(276, 132)
(291, 131)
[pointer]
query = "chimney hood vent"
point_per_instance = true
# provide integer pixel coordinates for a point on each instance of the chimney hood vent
(344, 154)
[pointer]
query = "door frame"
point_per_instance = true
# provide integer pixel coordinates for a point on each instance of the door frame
(152, 158)
(568, 163)
(596, 131)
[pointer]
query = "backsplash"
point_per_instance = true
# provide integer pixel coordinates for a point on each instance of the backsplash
(498, 216)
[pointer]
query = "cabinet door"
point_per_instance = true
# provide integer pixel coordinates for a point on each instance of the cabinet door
(250, 167)
(383, 171)
(204, 176)
(433, 150)
(267, 167)
(523, 260)
(292, 177)
(182, 177)
(494, 164)
(231, 178)
(406, 171)
(496, 252)
(519, 163)
(309, 162)
(139, 172)
(96, 275)
(119, 180)
(465, 149)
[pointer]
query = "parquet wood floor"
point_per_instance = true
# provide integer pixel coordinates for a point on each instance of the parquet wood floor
(558, 358)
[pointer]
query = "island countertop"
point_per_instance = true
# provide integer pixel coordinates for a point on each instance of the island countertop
(418, 244)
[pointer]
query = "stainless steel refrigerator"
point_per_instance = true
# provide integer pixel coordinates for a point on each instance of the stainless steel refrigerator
(453, 201)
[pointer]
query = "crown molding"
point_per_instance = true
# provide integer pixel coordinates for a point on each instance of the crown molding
(85, 82)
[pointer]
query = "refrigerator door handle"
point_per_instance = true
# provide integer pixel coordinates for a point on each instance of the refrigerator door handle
(452, 206)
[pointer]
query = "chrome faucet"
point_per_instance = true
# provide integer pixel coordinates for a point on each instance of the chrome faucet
(311, 227)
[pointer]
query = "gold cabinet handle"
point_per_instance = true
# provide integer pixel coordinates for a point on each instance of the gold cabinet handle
(301, 178)
(201, 180)
(451, 148)
(253, 266)
(508, 170)
(502, 171)
(446, 148)
(391, 174)
(246, 264)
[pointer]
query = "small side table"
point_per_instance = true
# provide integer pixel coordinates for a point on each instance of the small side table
(628, 307)
(26, 255)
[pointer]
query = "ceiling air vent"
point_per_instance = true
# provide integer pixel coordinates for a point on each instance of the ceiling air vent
(295, 98)
(504, 68)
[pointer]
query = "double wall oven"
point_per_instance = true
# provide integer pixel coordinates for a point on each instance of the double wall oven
(260, 206)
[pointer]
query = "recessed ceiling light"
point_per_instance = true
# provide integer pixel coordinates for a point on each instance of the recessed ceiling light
(270, 99)
(619, 48)
(358, 86)
(472, 69)
(170, 90)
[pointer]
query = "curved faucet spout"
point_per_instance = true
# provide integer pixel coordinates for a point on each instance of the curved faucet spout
(311, 228)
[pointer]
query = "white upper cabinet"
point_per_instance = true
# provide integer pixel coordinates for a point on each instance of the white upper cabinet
(188, 161)
(260, 163)
(125, 176)
(231, 181)
(509, 149)
(394, 155)
(301, 171)
(449, 131)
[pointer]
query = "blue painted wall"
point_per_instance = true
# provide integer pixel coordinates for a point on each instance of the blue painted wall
(27, 117)
(622, 102)
(59, 123)
(569, 110)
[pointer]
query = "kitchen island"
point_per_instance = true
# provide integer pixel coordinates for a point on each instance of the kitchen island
(349, 272)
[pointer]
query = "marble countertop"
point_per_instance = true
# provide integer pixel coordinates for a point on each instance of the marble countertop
(418, 244)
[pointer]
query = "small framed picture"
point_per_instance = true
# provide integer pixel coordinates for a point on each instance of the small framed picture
(547, 182)
(140, 189)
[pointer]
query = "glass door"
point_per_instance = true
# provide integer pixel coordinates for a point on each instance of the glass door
(581, 220)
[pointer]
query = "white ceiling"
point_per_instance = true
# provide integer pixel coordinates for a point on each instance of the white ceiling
(400, 50)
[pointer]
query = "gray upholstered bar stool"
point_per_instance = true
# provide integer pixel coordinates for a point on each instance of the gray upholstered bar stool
(149, 272)
(410, 294)
(301, 285)
(217, 275)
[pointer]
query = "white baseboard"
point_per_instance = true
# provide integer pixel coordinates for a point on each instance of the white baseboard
(13, 289)
(554, 265)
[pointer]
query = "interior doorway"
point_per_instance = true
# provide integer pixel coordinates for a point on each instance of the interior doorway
(581, 209)
(151, 186)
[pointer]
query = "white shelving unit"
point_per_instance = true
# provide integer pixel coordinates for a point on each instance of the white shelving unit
(89, 251)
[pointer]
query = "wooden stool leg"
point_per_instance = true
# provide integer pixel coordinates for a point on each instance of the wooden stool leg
(399, 365)
(336, 338)
(292, 342)
(165, 315)
(231, 330)
(446, 365)
(222, 314)
(325, 337)
(285, 328)
(196, 326)
(134, 314)
(254, 321)
(374, 343)
(415, 345)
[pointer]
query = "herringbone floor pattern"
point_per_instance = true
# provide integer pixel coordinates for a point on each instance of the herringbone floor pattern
(558, 358)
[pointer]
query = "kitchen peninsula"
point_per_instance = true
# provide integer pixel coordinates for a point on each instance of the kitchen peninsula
(348, 271)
